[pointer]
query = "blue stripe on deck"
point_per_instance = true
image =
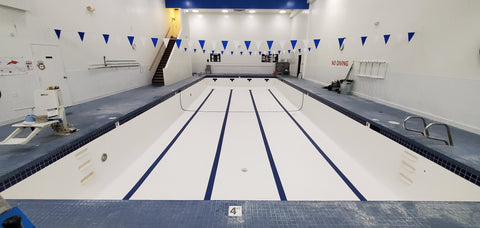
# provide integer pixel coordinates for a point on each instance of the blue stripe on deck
(213, 173)
(278, 182)
(330, 162)
(155, 163)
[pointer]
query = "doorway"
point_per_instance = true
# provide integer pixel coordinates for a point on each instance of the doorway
(299, 64)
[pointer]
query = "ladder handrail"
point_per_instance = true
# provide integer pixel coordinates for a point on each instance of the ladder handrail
(427, 134)
(414, 117)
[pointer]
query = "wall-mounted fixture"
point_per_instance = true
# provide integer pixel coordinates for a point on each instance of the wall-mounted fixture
(90, 9)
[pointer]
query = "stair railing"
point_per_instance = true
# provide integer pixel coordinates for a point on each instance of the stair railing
(161, 50)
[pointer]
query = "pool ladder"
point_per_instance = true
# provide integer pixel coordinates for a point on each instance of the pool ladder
(425, 131)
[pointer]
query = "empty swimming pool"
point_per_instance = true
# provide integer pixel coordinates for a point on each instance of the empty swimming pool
(243, 139)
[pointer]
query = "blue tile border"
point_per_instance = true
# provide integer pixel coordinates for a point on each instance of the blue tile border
(199, 213)
(456, 167)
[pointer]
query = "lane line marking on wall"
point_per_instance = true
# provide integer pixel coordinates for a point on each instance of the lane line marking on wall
(330, 162)
(155, 163)
(213, 173)
(278, 182)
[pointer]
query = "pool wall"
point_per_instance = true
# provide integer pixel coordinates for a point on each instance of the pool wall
(83, 175)
(398, 173)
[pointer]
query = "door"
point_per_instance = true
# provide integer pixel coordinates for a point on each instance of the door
(50, 70)
(299, 64)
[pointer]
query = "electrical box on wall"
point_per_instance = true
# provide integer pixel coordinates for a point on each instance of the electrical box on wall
(217, 57)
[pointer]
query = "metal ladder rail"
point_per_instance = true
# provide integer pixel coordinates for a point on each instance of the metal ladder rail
(427, 134)
(414, 130)
(425, 131)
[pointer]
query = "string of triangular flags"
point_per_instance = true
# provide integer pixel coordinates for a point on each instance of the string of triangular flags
(238, 48)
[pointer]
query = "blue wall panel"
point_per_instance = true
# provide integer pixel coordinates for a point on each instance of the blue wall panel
(237, 4)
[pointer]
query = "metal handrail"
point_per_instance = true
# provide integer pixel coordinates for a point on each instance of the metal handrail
(427, 134)
(414, 117)
(160, 50)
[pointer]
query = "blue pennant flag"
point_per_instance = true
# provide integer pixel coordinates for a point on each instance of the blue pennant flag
(82, 35)
(410, 36)
(316, 41)
(58, 31)
(364, 38)
(154, 41)
(241, 53)
(289, 51)
(279, 52)
(221, 52)
(185, 49)
(309, 49)
(247, 44)
(250, 53)
(269, 43)
(213, 51)
(194, 50)
(231, 53)
(386, 37)
(224, 43)
(130, 39)
(203, 51)
(294, 43)
(105, 37)
(340, 41)
(202, 43)
(269, 52)
(179, 42)
(299, 50)
(259, 53)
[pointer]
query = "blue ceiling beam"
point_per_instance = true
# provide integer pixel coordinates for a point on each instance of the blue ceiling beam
(237, 4)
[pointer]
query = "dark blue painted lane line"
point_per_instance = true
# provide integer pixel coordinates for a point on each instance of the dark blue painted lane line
(213, 173)
(155, 163)
(330, 162)
(278, 182)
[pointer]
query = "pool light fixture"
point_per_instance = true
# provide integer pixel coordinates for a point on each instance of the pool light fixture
(224, 11)
(251, 11)
(283, 11)
(195, 11)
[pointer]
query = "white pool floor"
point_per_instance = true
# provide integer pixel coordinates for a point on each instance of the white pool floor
(244, 170)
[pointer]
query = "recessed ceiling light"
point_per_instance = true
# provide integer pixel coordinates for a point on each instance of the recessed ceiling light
(283, 11)
(251, 11)
(224, 11)
(195, 11)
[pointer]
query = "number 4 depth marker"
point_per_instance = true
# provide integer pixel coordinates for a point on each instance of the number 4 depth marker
(235, 211)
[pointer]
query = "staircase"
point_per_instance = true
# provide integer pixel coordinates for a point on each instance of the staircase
(158, 76)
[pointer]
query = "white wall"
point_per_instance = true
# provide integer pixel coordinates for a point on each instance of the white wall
(436, 75)
(20, 29)
(237, 27)
(299, 33)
